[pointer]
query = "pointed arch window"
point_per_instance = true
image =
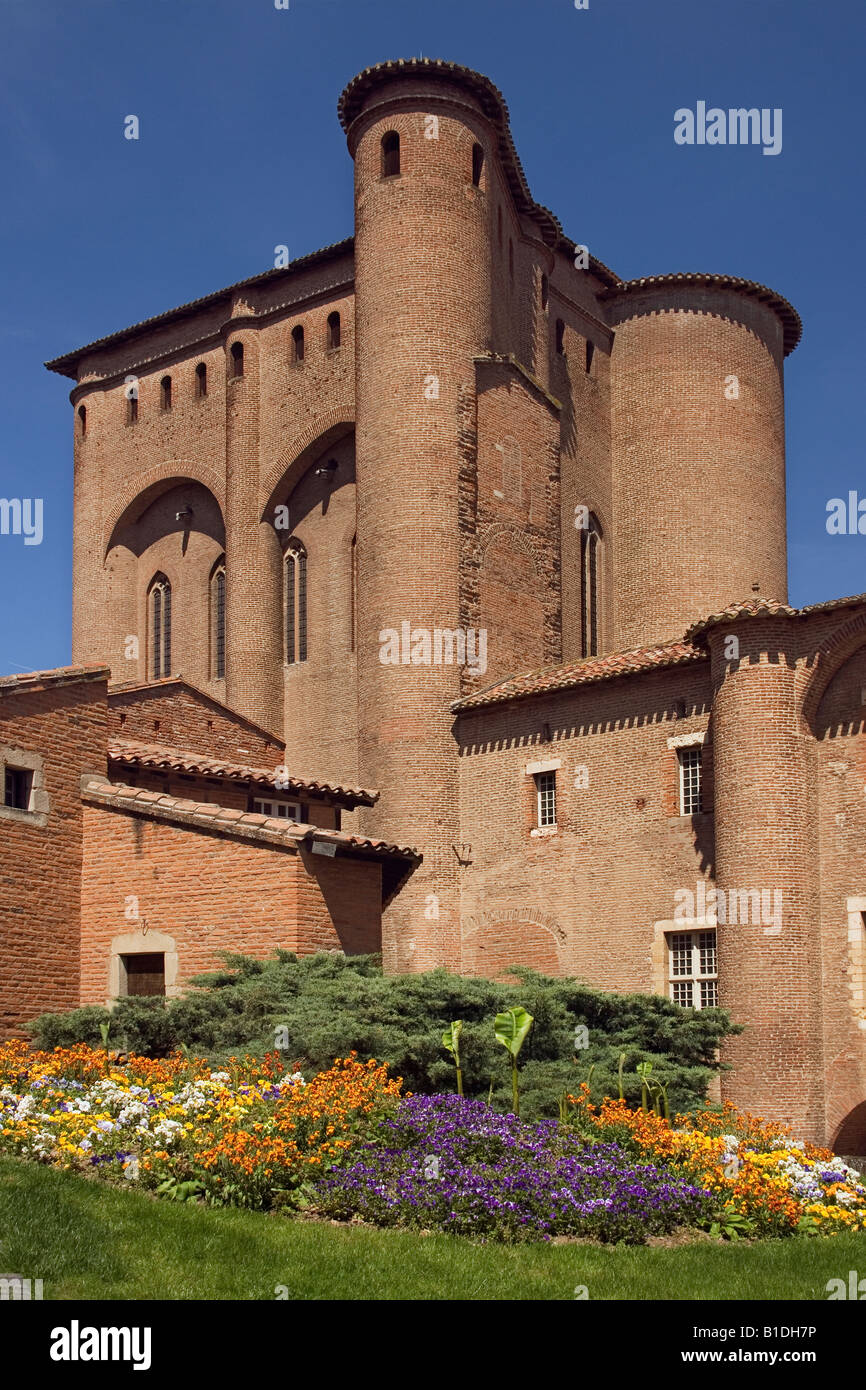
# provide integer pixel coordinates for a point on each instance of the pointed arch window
(295, 602)
(159, 601)
(218, 620)
(590, 569)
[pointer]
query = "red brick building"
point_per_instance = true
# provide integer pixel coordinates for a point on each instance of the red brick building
(129, 864)
(450, 510)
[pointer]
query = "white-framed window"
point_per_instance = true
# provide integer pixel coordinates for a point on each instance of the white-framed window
(285, 810)
(545, 790)
(691, 803)
(693, 977)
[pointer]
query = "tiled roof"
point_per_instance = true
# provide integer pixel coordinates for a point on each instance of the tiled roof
(790, 319)
(595, 668)
(162, 757)
(67, 364)
(58, 675)
(228, 821)
(769, 608)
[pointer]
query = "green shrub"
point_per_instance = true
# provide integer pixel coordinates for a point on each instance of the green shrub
(328, 1005)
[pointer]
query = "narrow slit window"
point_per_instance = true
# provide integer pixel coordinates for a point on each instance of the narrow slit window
(201, 381)
(590, 353)
(477, 164)
(218, 621)
(590, 556)
(165, 393)
(237, 359)
(560, 337)
(390, 154)
(82, 420)
(132, 408)
(298, 343)
(353, 580)
(160, 628)
(333, 335)
(295, 603)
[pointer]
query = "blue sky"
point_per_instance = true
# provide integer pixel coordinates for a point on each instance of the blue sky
(240, 150)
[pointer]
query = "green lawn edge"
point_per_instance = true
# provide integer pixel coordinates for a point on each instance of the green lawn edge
(88, 1240)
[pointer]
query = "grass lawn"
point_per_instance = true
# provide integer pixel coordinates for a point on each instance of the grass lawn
(87, 1240)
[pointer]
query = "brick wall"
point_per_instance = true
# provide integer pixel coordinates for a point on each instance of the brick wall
(583, 901)
(40, 864)
(187, 719)
(210, 892)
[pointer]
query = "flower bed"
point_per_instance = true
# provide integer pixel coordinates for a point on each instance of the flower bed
(346, 1145)
(243, 1135)
(451, 1164)
(763, 1180)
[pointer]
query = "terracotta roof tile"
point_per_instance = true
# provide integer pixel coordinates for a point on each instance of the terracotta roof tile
(223, 819)
(785, 312)
(67, 364)
(769, 608)
(592, 669)
(58, 675)
(164, 757)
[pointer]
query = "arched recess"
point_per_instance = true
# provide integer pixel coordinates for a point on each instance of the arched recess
(829, 659)
(313, 507)
(135, 500)
(495, 942)
(850, 1137)
(174, 527)
(320, 434)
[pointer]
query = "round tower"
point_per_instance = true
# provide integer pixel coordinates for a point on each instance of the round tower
(769, 944)
(698, 445)
(422, 144)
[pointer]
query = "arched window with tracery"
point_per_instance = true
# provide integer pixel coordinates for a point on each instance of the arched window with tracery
(590, 569)
(218, 620)
(295, 602)
(159, 603)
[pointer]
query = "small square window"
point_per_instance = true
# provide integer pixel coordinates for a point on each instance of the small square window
(145, 972)
(691, 803)
(17, 788)
(545, 786)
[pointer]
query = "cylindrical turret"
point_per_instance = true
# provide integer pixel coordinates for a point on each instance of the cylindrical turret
(422, 303)
(698, 450)
(769, 945)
